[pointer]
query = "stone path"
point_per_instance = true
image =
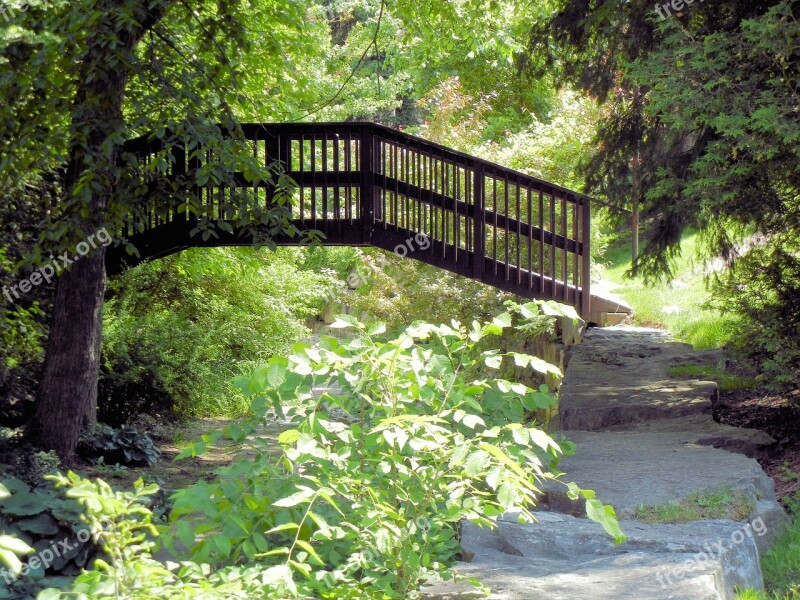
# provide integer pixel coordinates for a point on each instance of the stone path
(643, 439)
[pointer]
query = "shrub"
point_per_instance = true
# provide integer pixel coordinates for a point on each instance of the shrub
(762, 287)
(173, 328)
(125, 446)
(368, 506)
(40, 518)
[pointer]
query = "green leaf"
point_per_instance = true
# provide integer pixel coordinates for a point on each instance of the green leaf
(223, 544)
(476, 463)
(472, 420)
(344, 322)
(310, 549)
(493, 361)
(295, 499)
(607, 517)
(23, 505)
(288, 437)
(276, 375)
(41, 524)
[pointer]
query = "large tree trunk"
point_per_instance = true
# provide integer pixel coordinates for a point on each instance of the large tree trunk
(67, 397)
(68, 390)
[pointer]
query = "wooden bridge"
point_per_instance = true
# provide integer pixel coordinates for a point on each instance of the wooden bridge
(362, 184)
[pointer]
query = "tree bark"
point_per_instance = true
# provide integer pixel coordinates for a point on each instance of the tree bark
(67, 397)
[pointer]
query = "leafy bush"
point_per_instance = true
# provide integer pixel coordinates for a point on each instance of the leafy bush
(399, 291)
(125, 446)
(173, 328)
(49, 525)
(20, 460)
(763, 288)
(368, 506)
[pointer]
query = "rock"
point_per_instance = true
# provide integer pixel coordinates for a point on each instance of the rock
(562, 557)
(770, 518)
(620, 376)
(700, 429)
(631, 469)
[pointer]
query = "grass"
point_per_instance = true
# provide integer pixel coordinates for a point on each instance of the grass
(678, 305)
(725, 381)
(719, 503)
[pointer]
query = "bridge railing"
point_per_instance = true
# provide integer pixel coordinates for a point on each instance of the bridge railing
(365, 184)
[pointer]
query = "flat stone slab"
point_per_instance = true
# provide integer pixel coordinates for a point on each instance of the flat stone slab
(619, 375)
(700, 429)
(632, 469)
(563, 557)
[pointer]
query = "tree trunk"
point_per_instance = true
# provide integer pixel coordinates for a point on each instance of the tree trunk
(68, 390)
(67, 397)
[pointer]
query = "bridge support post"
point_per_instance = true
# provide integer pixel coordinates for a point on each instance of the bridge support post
(478, 222)
(366, 166)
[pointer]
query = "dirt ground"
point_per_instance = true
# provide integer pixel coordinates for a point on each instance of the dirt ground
(172, 439)
(779, 416)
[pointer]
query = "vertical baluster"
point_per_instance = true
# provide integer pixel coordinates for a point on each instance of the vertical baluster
(419, 184)
(541, 242)
(519, 237)
(574, 211)
(445, 195)
(406, 200)
(301, 149)
(336, 190)
(430, 206)
(565, 235)
(348, 167)
(366, 165)
(456, 218)
(530, 238)
(586, 296)
(505, 212)
(552, 245)
(393, 175)
(324, 142)
(478, 222)
(496, 223)
(313, 173)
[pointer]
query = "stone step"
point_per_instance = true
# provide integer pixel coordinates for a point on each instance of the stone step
(629, 469)
(700, 429)
(565, 558)
(620, 376)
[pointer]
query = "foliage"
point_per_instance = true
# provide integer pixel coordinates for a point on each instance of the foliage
(399, 291)
(681, 305)
(41, 519)
(763, 288)
(698, 140)
(553, 148)
(125, 446)
(175, 328)
(20, 460)
(368, 505)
